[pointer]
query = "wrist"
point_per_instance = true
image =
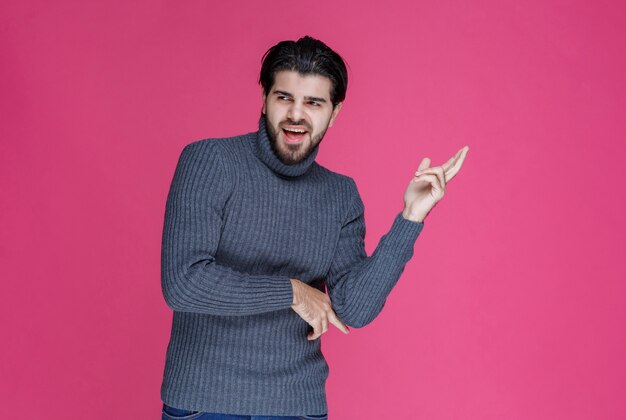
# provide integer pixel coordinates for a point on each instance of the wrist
(296, 291)
(412, 217)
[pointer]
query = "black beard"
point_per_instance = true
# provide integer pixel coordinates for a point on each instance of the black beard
(290, 159)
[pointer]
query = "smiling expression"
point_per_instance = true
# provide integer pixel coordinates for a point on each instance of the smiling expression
(298, 111)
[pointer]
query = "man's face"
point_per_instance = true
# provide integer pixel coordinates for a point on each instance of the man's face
(298, 110)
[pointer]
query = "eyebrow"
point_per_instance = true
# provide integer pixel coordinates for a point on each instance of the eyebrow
(308, 98)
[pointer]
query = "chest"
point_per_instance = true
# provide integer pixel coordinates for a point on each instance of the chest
(281, 227)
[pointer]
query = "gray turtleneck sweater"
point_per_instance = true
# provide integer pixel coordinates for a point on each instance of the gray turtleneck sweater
(239, 224)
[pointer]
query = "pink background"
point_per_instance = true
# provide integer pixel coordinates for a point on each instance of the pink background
(514, 306)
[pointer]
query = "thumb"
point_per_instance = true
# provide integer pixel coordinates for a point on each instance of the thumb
(425, 163)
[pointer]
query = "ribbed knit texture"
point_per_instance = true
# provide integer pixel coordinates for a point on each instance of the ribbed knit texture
(238, 225)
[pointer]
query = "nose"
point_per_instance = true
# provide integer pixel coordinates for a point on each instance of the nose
(295, 111)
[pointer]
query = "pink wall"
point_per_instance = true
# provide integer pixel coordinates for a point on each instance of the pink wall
(514, 306)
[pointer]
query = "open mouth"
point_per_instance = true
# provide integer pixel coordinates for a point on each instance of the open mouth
(294, 134)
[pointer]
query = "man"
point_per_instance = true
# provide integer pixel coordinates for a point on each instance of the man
(255, 231)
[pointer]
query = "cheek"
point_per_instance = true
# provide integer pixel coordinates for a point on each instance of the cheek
(276, 114)
(321, 123)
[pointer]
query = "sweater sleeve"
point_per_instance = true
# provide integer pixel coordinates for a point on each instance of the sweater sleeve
(358, 285)
(191, 278)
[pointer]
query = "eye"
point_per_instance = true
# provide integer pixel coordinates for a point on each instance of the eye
(283, 98)
(314, 103)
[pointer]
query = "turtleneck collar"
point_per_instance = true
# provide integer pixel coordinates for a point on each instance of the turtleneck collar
(263, 150)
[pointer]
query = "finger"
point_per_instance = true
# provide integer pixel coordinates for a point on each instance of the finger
(425, 163)
(337, 323)
(438, 172)
(453, 165)
(317, 331)
(450, 163)
(441, 176)
(458, 162)
(428, 177)
(433, 180)
(324, 325)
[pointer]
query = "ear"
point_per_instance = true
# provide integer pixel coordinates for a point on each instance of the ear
(336, 110)
(263, 97)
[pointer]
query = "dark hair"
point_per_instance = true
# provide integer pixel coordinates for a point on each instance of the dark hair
(307, 56)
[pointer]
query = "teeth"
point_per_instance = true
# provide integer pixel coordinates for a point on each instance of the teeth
(295, 130)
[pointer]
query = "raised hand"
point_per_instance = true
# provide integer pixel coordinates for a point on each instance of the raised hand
(429, 186)
(315, 308)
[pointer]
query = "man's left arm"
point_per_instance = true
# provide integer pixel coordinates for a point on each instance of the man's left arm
(358, 285)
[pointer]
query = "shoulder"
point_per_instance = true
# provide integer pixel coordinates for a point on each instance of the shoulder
(216, 144)
(222, 148)
(209, 154)
(207, 163)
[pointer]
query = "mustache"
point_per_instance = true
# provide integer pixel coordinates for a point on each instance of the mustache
(291, 122)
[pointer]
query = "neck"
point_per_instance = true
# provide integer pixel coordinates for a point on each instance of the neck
(262, 147)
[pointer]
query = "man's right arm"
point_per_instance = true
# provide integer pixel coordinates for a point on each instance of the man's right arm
(191, 279)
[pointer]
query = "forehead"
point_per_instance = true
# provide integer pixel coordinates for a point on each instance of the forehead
(302, 85)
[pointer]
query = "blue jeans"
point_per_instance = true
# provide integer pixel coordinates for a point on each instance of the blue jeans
(171, 413)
